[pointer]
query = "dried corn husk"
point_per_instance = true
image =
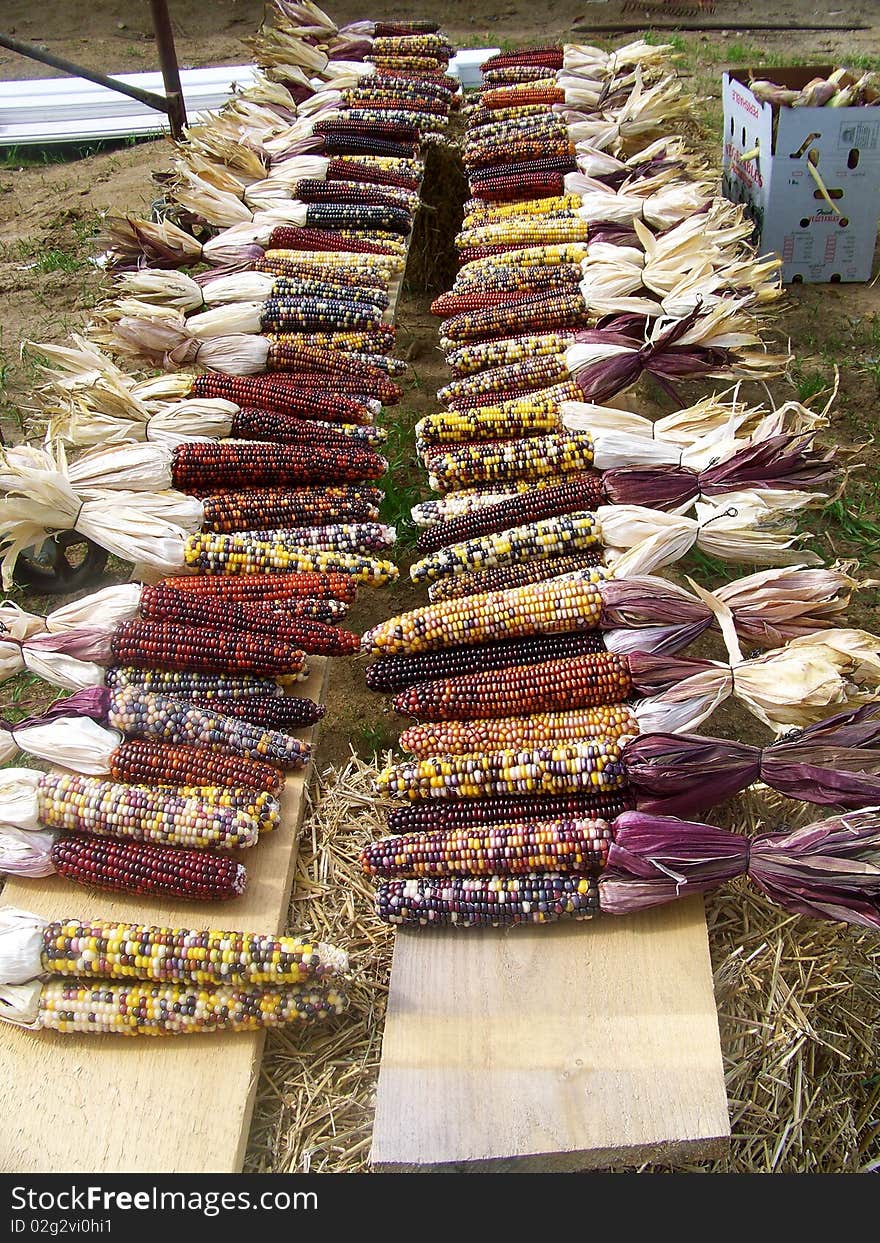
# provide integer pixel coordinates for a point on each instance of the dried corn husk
(744, 529)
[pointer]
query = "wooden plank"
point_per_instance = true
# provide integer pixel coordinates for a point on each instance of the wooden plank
(567, 1047)
(182, 1105)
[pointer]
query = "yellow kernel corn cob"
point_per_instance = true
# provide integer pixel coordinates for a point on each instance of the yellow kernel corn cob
(538, 608)
(529, 231)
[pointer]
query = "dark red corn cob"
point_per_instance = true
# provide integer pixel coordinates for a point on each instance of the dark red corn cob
(293, 586)
(293, 239)
(550, 55)
(520, 807)
(282, 712)
(250, 510)
(352, 170)
(283, 429)
(310, 191)
(521, 185)
(136, 867)
(502, 577)
(145, 762)
(394, 673)
(492, 154)
(267, 393)
(517, 96)
(217, 613)
(583, 493)
(166, 645)
(575, 682)
(201, 466)
(333, 367)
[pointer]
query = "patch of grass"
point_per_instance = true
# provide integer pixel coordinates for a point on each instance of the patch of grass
(371, 740)
(707, 571)
(401, 483)
(855, 521)
(808, 383)
(861, 61)
(55, 260)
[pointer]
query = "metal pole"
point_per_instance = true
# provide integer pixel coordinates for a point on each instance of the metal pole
(170, 72)
(158, 102)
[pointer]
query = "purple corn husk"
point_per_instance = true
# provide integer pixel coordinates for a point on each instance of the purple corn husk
(662, 358)
(784, 461)
(835, 763)
(89, 643)
(650, 614)
(827, 870)
(656, 859)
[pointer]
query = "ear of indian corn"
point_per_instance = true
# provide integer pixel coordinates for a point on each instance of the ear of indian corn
(532, 541)
(141, 715)
(80, 804)
(540, 608)
(170, 645)
(393, 673)
(431, 816)
(552, 686)
(509, 577)
(478, 901)
(241, 554)
(457, 737)
(497, 850)
(144, 1009)
(594, 766)
(107, 950)
(161, 763)
(137, 867)
(268, 587)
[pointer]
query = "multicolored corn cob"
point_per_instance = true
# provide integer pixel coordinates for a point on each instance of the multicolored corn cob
(118, 951)
(80, 804)
(474, 901)
(123, 1009)
(509, 577)
(470, 737)
(158, 717)
(580, 767)
(252, 508)
(240, 554)
(498, 850)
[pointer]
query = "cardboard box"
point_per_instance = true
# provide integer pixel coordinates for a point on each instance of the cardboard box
(816, 242)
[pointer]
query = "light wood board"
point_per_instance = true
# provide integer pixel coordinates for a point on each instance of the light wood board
(113, 1104)
(564, 1047)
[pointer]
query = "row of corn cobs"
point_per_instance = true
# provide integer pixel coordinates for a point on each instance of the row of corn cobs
(524, 753)
(299, 196)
